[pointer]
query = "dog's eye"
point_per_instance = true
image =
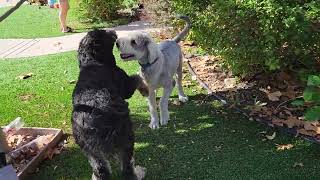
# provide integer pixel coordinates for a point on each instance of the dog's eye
(133, 42)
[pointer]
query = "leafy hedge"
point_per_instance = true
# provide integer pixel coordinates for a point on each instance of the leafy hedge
(256, 34)
(159, 11)
(102, 10)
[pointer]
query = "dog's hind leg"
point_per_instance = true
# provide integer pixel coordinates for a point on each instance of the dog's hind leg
(101, 168)
(164, 113)
(182, 96)
(154, 124)
(129, 171)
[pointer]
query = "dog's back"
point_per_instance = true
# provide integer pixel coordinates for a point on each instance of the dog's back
(100, 119)
(93, 114)
(172, 55)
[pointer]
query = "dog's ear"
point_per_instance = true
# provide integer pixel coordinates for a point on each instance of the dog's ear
(142, 40)
(152, 48)
(112, 33)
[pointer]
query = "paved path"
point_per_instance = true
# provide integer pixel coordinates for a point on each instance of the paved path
(5, 3)
(17, 48)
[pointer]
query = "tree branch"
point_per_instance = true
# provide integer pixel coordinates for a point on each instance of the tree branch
(11, 10)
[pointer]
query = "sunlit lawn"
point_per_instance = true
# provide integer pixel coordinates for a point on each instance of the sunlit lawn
(32, 21)
(207, 141)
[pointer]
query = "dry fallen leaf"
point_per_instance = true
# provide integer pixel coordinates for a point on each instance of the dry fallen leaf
(186, 83)
(57, 44)
(72, 81)
(230, 82)
(26, 97)
(292, 122)
(274, 96)
(282, 147)
(290, 92)
(296, 164)
(271, 137)
(312, 126)
(189, 43)
(16, 140)
(176, 102)
(217, 148)
(278, 122)
(25, 76)
(307, 133)
(27, 149)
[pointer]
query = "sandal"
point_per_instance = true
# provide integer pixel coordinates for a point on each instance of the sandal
(69, 30)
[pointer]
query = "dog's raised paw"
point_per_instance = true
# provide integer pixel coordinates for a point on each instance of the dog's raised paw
(140, 172)
(183, 99)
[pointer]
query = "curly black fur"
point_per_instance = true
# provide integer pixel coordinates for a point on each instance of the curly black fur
(100, 119)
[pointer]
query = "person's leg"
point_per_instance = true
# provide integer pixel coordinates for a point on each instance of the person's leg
(64, 7)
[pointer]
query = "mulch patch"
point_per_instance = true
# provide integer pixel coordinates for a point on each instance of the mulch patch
(265, 97)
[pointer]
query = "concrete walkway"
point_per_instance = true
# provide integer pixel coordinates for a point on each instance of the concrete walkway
(5, 3)
(17, 48)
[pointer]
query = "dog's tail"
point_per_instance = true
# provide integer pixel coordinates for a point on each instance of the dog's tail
(185, 30)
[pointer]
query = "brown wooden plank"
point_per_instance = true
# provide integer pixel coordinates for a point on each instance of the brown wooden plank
(33, 164)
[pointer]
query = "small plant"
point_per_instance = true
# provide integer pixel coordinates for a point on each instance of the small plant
(311, 98)
(99, 10)
(312, 95)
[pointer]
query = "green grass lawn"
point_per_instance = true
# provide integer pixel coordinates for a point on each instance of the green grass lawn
(207, 141)
(32, 21)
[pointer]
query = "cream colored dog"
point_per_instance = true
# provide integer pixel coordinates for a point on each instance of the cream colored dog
(159, 64)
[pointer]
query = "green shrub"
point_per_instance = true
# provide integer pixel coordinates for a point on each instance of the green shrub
(312, 95)
(130, 3)
(159, 11)
(99, 10)
(255, 34)
(311, 98)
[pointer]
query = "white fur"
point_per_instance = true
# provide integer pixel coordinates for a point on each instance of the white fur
(167, 56)
(140, 172)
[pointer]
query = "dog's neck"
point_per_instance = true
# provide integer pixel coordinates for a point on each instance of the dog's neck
(89, 62)
(145, 66)
(147, 61)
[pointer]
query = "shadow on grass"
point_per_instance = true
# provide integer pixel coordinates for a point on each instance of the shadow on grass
(207, 142)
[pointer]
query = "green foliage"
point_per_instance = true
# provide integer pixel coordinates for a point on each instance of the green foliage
(99, 10)
(298, 102)
(313, 114)
(159, 11)
(255, 34)
(311, 96)
(130, 3)
(314, 80)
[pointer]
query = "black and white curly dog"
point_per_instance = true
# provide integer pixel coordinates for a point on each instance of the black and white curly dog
(100, 119)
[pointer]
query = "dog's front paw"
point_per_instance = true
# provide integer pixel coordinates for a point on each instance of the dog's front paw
(144, 90)
(164, 121)
(164, 118)
(141, 85)
(183, 99)
(140, 172)
(154, 125)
